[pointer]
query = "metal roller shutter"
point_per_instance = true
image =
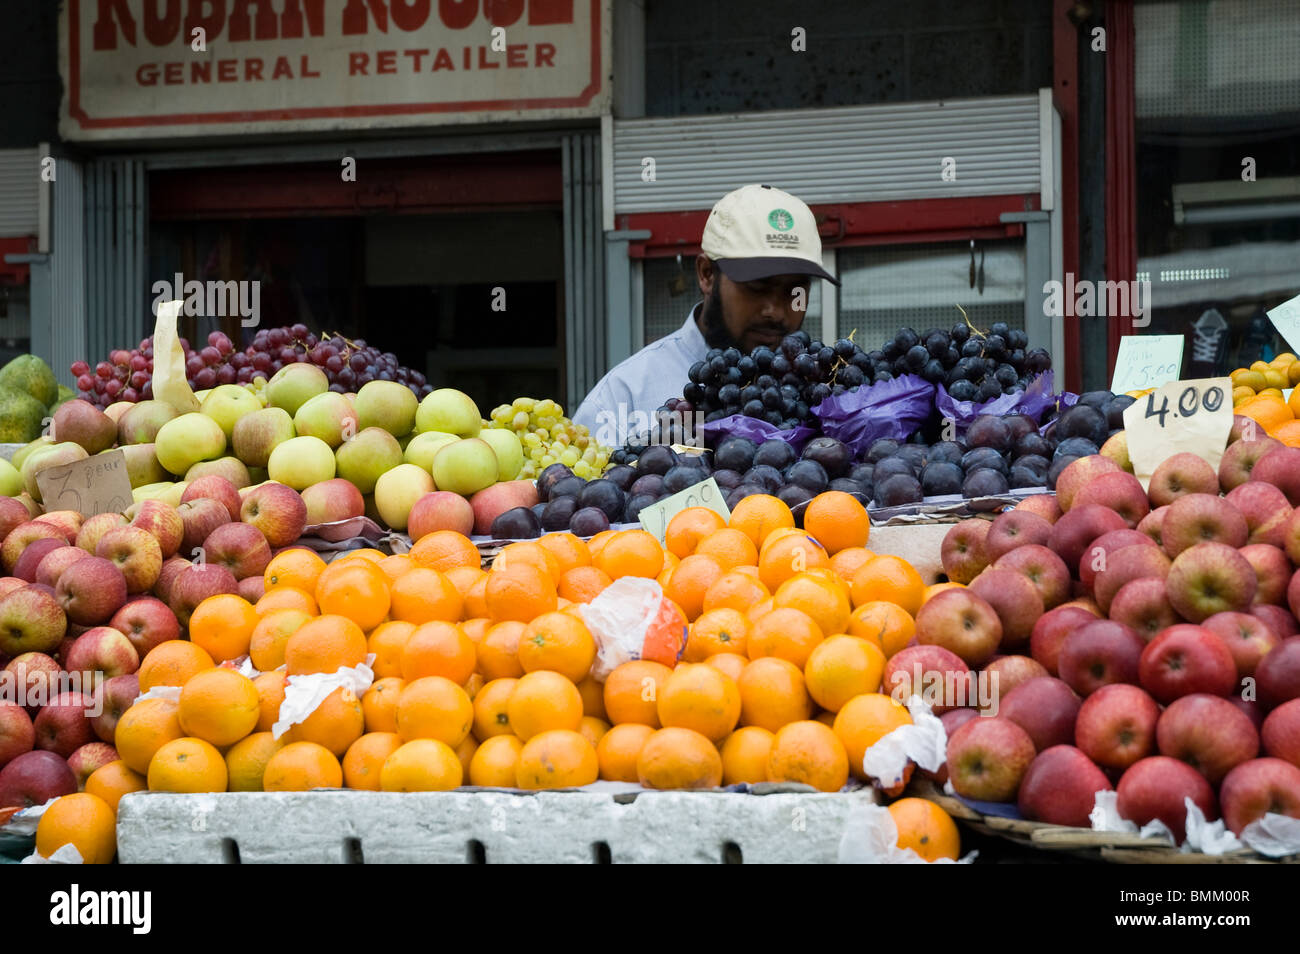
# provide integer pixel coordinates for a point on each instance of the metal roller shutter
(117, 310)
(584, 268)
(19, 191)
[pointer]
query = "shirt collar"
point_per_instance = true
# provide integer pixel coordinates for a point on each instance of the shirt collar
(694, 340)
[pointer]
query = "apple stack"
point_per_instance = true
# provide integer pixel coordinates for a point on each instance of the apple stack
(1145, 641)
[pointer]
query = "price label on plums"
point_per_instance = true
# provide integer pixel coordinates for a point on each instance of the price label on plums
(1179, 417)
(1147, 361)
(706, 493)
(98, 484)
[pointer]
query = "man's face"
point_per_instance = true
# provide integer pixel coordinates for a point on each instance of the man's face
(760, 312)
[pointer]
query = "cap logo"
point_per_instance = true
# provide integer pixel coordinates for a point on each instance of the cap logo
(781, 220)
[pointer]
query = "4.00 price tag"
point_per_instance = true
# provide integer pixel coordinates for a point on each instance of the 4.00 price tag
(1180, 417)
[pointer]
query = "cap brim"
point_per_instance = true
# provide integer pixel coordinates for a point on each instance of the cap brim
(752, 269)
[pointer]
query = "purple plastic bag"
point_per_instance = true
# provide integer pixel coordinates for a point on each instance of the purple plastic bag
(1064, 400)
(1033, 400)
(738, 425)
(891, 409)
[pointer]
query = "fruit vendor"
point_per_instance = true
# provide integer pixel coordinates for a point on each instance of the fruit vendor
(760, 252)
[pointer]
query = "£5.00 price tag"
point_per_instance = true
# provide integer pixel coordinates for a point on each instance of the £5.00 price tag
(1179, 417)
(1286, 319)
(1147, 361)
(706, 493)
(98, 484)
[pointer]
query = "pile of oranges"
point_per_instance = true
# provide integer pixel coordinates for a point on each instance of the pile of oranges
(485, 677)
(1257, 394)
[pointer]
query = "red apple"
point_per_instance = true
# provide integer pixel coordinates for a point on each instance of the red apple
(958, 620)
(91, 591)
(1202, 518)
(55, 562)
(1259, 787)
(102, 649)
(95, 527)
(1098, 654)
(1185, 659)
(1266, 511)
(441, 510)
(200, 518)
(31, 620)
(239, 547)
(63, 725)
(17, 735)
(1044, 505)
(952, 720)
(112, 698)
(1044, 707)
(12, 513)
(1050, 631)
(1012, 529)
(10, 583)
(338, 499)
(1207, 732)
(1045, 570)
(88, 758)
(490, 502)
(1116, 726)
(1155, 788)
(1240, 458)
(146, 622)
(936, 674)
(1272, 572)
(171, 568)
(962, 552)
(1281, 468)
(1153, 525)
(1079, 473)
(1079, 527)
(162, 521)
(1014, 598)
(1125, 565)
(1281, 732)
(1120, 491)
(196, 583)
(1210, 578)
(23, 535)
(217, 488)
(34, 677)
(1098, 552)
(987, 758)
(1279, 620)
(1143, 606)
(136, 553)
(1277, 676)
(29, 562)
(278, 511)
(1180, 475)
(252, 588)
(34, 778)
(1254, 711)
(1002, 676)
(1247, 637)
(68, 521)
(1061, 787)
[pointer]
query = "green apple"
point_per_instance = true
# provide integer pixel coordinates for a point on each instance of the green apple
(51, 456)
(466, 467)
(141, 422)
(424, 447)
(449, 410)
(163, 490)
(231, 468)
(329, 416)
(294, 385)
(142, 465)
(259, 433)
(398, 489)
(23, 452)
(227, 403)
(509, 450)
(369, 454)
(301, 462)
(11, 481)
(184, 441)
(387, 404)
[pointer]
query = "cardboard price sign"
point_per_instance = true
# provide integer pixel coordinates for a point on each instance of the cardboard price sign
(98, 484)
(654, 518)
(1180, 417)
(1147, 361)
(1286, 319)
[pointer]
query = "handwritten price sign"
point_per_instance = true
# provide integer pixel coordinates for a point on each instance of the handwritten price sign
(1180, 417)
(1147, 361)
(97, 484)
(1286, 319)
(654, 518)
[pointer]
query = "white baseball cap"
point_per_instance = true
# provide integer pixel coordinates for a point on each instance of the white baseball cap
(758, 231)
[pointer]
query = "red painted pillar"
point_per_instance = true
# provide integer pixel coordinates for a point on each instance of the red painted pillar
(1121, 161)
(1065, 97)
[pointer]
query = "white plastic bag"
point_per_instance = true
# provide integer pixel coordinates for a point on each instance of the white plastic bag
(630, 619)
(924, 742)
(304, 694)
(871, 838)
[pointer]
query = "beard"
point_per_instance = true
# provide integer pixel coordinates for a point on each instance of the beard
(713, 327)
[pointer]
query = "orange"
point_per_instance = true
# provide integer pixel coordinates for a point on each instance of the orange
(494, 762)
(826, 602)
(935, 588)
(679, 758)
(772, 694)
(617, 751)
(891, 579)
(379, 704)
(593, 697)
(82, 820)
(498, 653)
(272, 632)
(716, 631)
(187, 765)
(689, 527)
(1269, 412)
(246, 761)
(438, 649)
(396, 565)
(386, 641)
(219, 706)
(632, 692)
(582, 584)
(421, 596)
(1288, 433)
(145, 728)
(926, 828)
(324, 644)
(364, 760)
(759, 609)
(789, 555)
(445, 550)
(335, 724)
(811, 753)
(758, 515)
(297, 567)
(223, 625)
(287, 597)
(843, 667)
(825, 718)
(465, 754)
(490, 709)
(434, 708)
(270, 693)
(730, 547)
(837, 521)
(476, 598)
(734, 590)
(593, 729)
(522, 592)
(744, 755)
(110, 782)
(464, 578)
(529, 553)
(863, 721)
(559, 758)
(542, 701)
(595, 544)
(846, 562)
(368, 554)
(702, 698)
(473, 685)
(476, 629)
(560, 643)
(354, 588)
(790, 634)
(630, 553)
(731, 664)
(568, 549)
(171, 664)
(887, 624)
(690, 580)
(301, 767)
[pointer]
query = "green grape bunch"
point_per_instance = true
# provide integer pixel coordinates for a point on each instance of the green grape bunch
(548, 437)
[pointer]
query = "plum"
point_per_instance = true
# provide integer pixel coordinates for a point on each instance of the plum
(941, 477)
(519, 523)
(863, 473)
(945, 452)
(656, 459)
(1020, 425)
(726, 479)
(622, 476)
(774, 453)
(1115, 410)
(832, 455)
(1095, 399)
(984, 482)
(557, 513)
(605, 496)
(880, 449)
(548, 477)
(983, 458)
(1075, 447)
(914, 454)
(567, 487)
(1082, 420)
(1059, 463)
(807, 474)
(681, 477)
(652, 484)
(765, 476)
(988, 430)
(793, 495)
(589, 521)
(1033, 443)
(891, 466)
(898, 490)
(735, 453)
(849, 486)
(635, 504)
